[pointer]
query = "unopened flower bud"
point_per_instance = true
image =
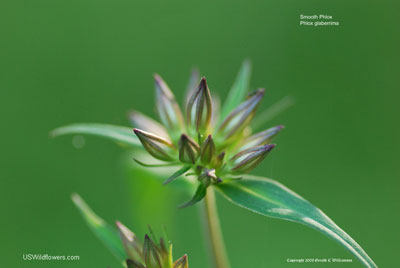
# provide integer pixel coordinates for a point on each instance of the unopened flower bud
(248, 159)
(188, 149)
(131, 244)
(199, 109)
(146, 123)
(150, 253)
(207, 150)
(219, 160)
(261, 138)
(242, 115)
(182, 262)
(167, 107)
(154, 145)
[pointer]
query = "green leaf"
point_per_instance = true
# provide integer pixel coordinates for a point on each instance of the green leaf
(198, 196)
(158, 172)
(146, 165)
(119, 134)
(176, 174)
(239, 89)
(108, 235)
(270, 198)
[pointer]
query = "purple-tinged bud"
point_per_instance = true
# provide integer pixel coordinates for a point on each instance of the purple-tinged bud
(248, 159)
(188, 149)
(191, 86)
(260, 138)
(146, 123)
(182, 262)
(199, 109)
(219, 160)
(154, 145)
(150, 253)
(242, 115)
(166, 105)
(207, 150)
(131, 244)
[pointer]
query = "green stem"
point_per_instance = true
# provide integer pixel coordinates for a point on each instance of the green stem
(218, 251)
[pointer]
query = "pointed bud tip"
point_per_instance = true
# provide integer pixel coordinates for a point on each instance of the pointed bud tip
(253, 156)
(260, 91)
(157, 77)
(77, 199)
(256, 93)
(203, 81)
(74, 196)
(185, 137)
(138, 132)
(121, 226)
(269, 147)
(159, 81)
(188, 149)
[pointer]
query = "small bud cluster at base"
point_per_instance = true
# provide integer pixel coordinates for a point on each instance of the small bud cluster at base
(149, 254)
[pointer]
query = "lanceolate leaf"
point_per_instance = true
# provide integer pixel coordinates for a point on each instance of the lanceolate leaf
(198, 196)
(270, 198)
(177, 174)
(239, 89)
(108, 235)
(119, 134)
(158, 173)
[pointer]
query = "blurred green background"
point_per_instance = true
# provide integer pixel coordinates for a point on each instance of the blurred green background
(91, 61)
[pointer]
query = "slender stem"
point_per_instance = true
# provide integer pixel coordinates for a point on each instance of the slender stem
(218, 251)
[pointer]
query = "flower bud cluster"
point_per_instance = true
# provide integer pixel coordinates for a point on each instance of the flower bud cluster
(149, 253)
(207, 146)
